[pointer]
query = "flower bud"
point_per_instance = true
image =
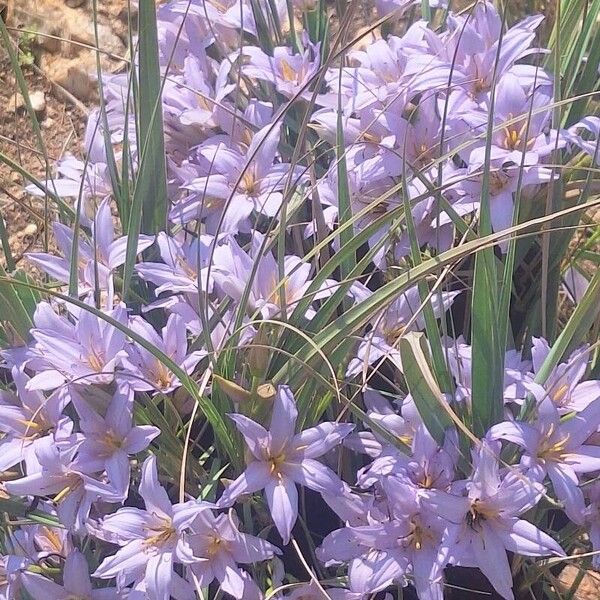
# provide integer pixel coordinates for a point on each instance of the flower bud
(236, 392)
(259, 352)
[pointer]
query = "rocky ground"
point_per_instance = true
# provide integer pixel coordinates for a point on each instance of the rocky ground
(57, 49)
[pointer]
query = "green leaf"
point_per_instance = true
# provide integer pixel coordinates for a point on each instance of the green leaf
(487, 356)
(15, 310)
(422, 385)
(343, 191)
(148, 212)
(152, 178)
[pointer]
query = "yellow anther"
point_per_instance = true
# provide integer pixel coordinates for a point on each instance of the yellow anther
(249, 183)
(62, 494)
(96, 361)
(559, 395)
(393, 334)
(276, 462)
(286, 70)
(29, 424)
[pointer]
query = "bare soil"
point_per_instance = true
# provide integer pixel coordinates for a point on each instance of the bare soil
(58, 37)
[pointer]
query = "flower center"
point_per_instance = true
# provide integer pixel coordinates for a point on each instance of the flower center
(498, 180)
(551, 448)
(215, 546)
(185, 266)
(96, 360)
(161, 535)
(276, 462)
(427, 481)
(424, 154)
(287, 72)
(163, 377)
(560, 395)
(512, 139)
(249, 184)
(112, 440)
(418, 535)
(479, 512)
(392, 334)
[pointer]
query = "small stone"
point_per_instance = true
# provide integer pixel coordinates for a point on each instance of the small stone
(48, 123)
(30, 229)
(38, 102)
(37, 99)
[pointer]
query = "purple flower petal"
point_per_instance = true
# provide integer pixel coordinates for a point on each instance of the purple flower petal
(254, 478)
(282, 498)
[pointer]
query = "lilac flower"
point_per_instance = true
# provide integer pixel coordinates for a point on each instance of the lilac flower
(389, 73)
(280, 459)
(288, 72)
(26, 418)
(107, 441)
(400, 424)
(222, 325)
(73, 178)
(74, 489)
(97, 259)
(229, 18)
(312, 591)
(367, 201)
(531, 134)
(371, 551)
(26, 546)
(233, 270)
(220, 546)
(473, 40)
(185, 262)
(517, 372)
(260, 183)
(556, 448)
(564, 385)
(591, 517)
(76, 583)
(504, 180)
(41, 542)
(59, 267)
(87, 351)
(485, 521)
(151, 540)
(384, 552)
(143, 370)
(89, 181)
(589, 146)
(391, 324)
(429, 465)
(191, 99)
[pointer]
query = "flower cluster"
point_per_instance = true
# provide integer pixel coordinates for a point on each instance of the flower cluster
(129, 405)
